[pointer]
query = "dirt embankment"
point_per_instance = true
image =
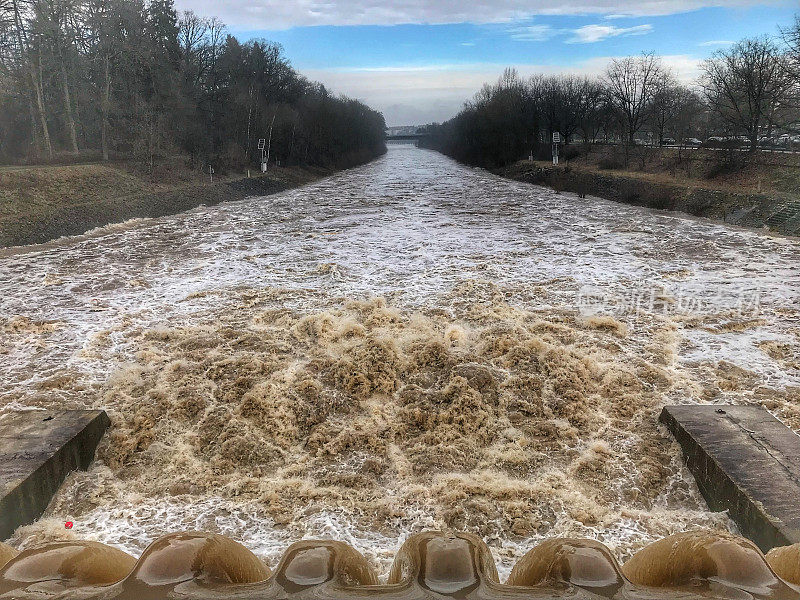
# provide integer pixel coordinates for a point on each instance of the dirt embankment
(38, 204)
(762, 195)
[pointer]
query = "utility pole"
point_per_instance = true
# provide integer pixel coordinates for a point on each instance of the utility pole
(265, 146)
(269, 144)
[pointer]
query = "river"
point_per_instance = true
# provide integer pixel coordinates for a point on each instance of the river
(406, 345)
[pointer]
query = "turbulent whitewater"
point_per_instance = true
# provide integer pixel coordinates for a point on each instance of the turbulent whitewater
(404, 346)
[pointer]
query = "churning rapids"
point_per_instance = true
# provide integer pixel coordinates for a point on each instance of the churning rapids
(407, 345)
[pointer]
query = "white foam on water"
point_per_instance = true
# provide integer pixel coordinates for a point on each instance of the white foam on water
(410, 227)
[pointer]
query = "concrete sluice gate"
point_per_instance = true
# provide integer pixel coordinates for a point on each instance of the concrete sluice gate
(428, 565)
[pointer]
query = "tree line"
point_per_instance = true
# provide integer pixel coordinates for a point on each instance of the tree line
(750, 90)
(136, 80)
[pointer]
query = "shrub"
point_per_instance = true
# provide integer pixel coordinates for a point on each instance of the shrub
(726, 166)
(608, 163)
(572, 152)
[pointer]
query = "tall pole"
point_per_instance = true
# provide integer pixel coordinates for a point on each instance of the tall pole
(269, 143)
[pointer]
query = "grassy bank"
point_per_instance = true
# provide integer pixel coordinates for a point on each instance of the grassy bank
(761, 191)
(38, 204)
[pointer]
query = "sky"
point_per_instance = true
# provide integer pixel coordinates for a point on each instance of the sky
(418, 61)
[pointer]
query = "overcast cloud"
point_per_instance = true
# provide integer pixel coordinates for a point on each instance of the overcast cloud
(283, 14)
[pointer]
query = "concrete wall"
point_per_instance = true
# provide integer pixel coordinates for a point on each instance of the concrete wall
(38, 449)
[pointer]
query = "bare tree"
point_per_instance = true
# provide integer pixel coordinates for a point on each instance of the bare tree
(102, 45)
(592, 111)
(790, 115)
(665, 104)
(745, 84)
(791, 36)
(563, 103)
(689, 111)
(53, 19)
(631, 84)
(33, 74)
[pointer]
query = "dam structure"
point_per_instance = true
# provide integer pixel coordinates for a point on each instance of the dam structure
(428, 565)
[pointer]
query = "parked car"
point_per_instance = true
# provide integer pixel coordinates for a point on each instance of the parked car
(692, 142)
(787, 140)
(668, 141)
(717, 141)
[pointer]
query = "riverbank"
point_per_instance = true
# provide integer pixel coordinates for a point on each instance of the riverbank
(38, 204)
(732, 198)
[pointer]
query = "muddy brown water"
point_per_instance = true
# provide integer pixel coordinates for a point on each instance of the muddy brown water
(408, 345)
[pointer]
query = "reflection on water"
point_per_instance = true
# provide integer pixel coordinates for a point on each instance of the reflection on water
(402, 346)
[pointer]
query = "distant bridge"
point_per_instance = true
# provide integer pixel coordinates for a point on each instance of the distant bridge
(406, 137)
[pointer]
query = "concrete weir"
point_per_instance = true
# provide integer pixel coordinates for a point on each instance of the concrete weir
(38, 449)
(746, 462)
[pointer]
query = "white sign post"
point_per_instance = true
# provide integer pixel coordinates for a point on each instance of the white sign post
(262, 145)
(556, 142)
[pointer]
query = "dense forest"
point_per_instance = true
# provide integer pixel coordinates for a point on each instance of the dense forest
(748, 94)
(136, 80)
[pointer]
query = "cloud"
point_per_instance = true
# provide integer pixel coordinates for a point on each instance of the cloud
(422, 94)
(532, 33)
(717, 43)
(589, 34)
(687, 69)
(282, 14)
